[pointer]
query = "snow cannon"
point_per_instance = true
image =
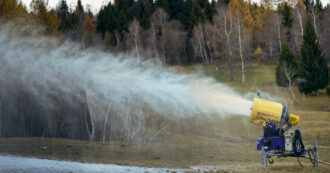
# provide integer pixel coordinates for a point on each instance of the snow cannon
(277, 139)
(271, 114)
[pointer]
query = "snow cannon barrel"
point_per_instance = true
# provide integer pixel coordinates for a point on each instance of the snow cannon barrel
(271, 114)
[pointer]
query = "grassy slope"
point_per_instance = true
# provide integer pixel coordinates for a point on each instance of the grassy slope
(201, 141)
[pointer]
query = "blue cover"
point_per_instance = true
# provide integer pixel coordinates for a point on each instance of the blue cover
(271, 143)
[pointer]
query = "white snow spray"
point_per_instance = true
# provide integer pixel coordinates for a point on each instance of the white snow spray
(42, 64)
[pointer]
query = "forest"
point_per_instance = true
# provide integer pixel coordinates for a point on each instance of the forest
(292, 34)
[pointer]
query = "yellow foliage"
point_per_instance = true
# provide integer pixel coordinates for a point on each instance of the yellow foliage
(301, 4)
(12, 9)
(257, 53)
(254, 16)
(89, 25)
(47, 18)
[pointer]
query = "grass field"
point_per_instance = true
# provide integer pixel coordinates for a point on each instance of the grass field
(225, 144)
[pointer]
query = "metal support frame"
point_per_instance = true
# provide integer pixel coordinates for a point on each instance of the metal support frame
(311, 154)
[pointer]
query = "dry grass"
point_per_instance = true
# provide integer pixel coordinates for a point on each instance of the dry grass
(224, 144)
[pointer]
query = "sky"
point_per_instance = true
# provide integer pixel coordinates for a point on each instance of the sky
(95, 5)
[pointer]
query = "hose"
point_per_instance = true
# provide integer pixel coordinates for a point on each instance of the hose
(297, 143)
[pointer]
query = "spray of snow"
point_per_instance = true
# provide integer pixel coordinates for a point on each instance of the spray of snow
(42, 64)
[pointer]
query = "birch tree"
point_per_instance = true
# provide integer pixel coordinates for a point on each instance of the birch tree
(134, 33)
(107, 115)
(89, 120)
(240, 50)
(226, 23)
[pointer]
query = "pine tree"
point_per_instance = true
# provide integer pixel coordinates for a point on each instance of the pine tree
(286, 15)
(287, 67)
(202, 3)
(189, 19)
(80, 12)
(106, 20)
(123, 22)
(124, 14)
(72, 21)
(176, 7)
(210, 10)
(144, 16)
(62, 13)
(307, 4)
(164, 5)
(313, 69)
(198, 13)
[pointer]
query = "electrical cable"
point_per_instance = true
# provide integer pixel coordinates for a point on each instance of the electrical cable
(297, 143)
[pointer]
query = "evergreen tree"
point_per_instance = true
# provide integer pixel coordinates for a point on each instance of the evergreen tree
(287, 67)
(124, 14)
(164, 5)
(151, 5)
(79, 8)
(210, 10)
(176, 7)
(106, 20)
(123, 22)
(307, 4)
(286, 15)
(63, 12)
(144, 16)
(313, 68)
(224, 1)
(189, 19)
(72, 21)
(202, 3)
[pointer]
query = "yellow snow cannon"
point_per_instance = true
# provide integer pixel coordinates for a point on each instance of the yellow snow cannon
(275, 140)
(271, 114)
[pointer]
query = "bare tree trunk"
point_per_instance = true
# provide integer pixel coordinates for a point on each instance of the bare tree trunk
(300, 22)
(0, 117)
(158, 132)
(137, 49)
(314, 19)
(134, 34)
(279, 32)
(211, 45)
(201, 50)
(290, 83)
(229, 47)
(154, 40)
(118, 44)
(105, 124)
(90, 132)
(203, 44)
(240, 51)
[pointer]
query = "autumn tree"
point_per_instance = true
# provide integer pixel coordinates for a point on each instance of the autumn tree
(89, 29)
(10, 9)
(313, 68)
(44, 17)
